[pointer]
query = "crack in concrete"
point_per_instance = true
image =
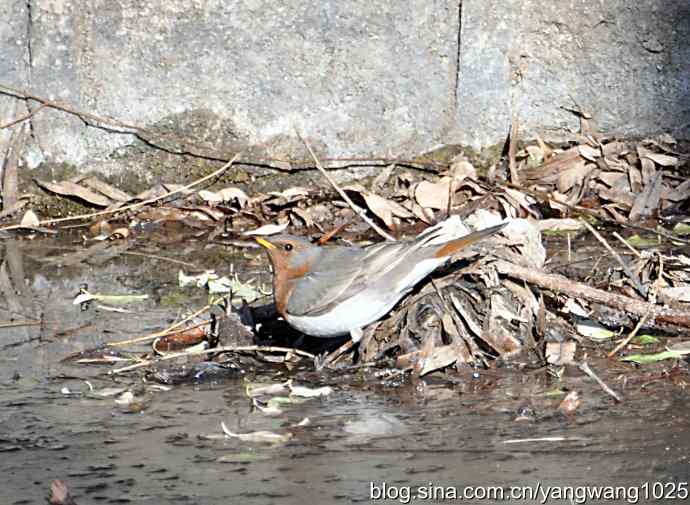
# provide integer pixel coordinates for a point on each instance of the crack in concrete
(30, 65)
(456, 91)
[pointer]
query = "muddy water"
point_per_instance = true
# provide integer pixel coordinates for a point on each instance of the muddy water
(373, 438)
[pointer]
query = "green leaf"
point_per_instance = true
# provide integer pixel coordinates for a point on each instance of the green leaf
(646, 340)
(682, 229)
(637, 241)
(643, 359)
(594, 331)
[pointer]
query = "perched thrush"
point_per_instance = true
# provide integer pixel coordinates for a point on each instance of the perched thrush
(332, 290)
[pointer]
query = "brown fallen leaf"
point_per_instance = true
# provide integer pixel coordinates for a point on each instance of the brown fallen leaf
(574, 175)
(561, 353)
(647, 203)
(635, 179)
(225, 195)
(444, 356)
(30, 219)
(60, 494)
(570, 403)
(181, 340)
(565, 224)
(588, 152)
(678, 293)
(434, 195)
(381, 207)
(303, 215)
(68, 188)
(461, 169)
(663, 160)
(111, 192)
(679, 193)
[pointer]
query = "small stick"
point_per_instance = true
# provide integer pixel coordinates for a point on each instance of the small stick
(660, 316)
(584, 366)
(632, 334)
(512, 148)
(154, 336)
(544, 439)
(359, 211)
(627, 244)
(19, 119)
(162, 258)
(631, 275)
(134, 205)
(19, 324)
(240, 348)
(329, 235)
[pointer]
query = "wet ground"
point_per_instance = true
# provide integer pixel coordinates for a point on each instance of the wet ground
(367, 439)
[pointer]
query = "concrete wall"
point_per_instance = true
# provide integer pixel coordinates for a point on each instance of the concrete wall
(360, 77)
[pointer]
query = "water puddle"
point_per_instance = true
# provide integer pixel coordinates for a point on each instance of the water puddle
(369, 438)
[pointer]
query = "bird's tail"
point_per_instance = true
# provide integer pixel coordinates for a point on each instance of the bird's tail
(452, 246)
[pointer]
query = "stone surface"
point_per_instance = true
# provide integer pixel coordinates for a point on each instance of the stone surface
(358, 78)
(625, 63)
(14, 65)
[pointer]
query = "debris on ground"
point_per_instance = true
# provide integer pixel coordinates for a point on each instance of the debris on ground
(507, 300)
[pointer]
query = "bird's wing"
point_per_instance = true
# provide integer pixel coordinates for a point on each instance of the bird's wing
(340, 273)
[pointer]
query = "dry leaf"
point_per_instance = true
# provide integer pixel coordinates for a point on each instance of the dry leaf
(111, 192)
(678, 294)
(570, 403)
(574, 175)
(560, 224)
(432, 195)
(647, 202)
(30, 219)
(679, 193)
(663, 160)
(380, 207)
(561, 353)
(225, 195)
(68, 188)
(267, 229)
(461, 169)
(588, 152)
(444, 356)
(303, 215)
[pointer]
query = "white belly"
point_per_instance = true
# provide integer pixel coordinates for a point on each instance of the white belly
(363, 309)
(352, 314)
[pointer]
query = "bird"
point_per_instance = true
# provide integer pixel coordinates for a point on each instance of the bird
(334, 290)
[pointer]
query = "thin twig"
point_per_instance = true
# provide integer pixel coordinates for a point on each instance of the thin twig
(358, 210)
(632, 334)
(134, 205)
(631, 275)
(215, 350)
(544, 439)
(584, 366)
(154, 336)
(10, 184)
(162, 258)
(19, 324)
(512, 149)
(661, 316)
(26, 116)
(627, 244)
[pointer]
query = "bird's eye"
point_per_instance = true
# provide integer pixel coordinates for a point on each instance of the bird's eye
(287, 247)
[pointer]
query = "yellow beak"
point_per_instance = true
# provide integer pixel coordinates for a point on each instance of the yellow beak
(265, 243)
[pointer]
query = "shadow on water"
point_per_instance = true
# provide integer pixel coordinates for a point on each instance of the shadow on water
(459, 430)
